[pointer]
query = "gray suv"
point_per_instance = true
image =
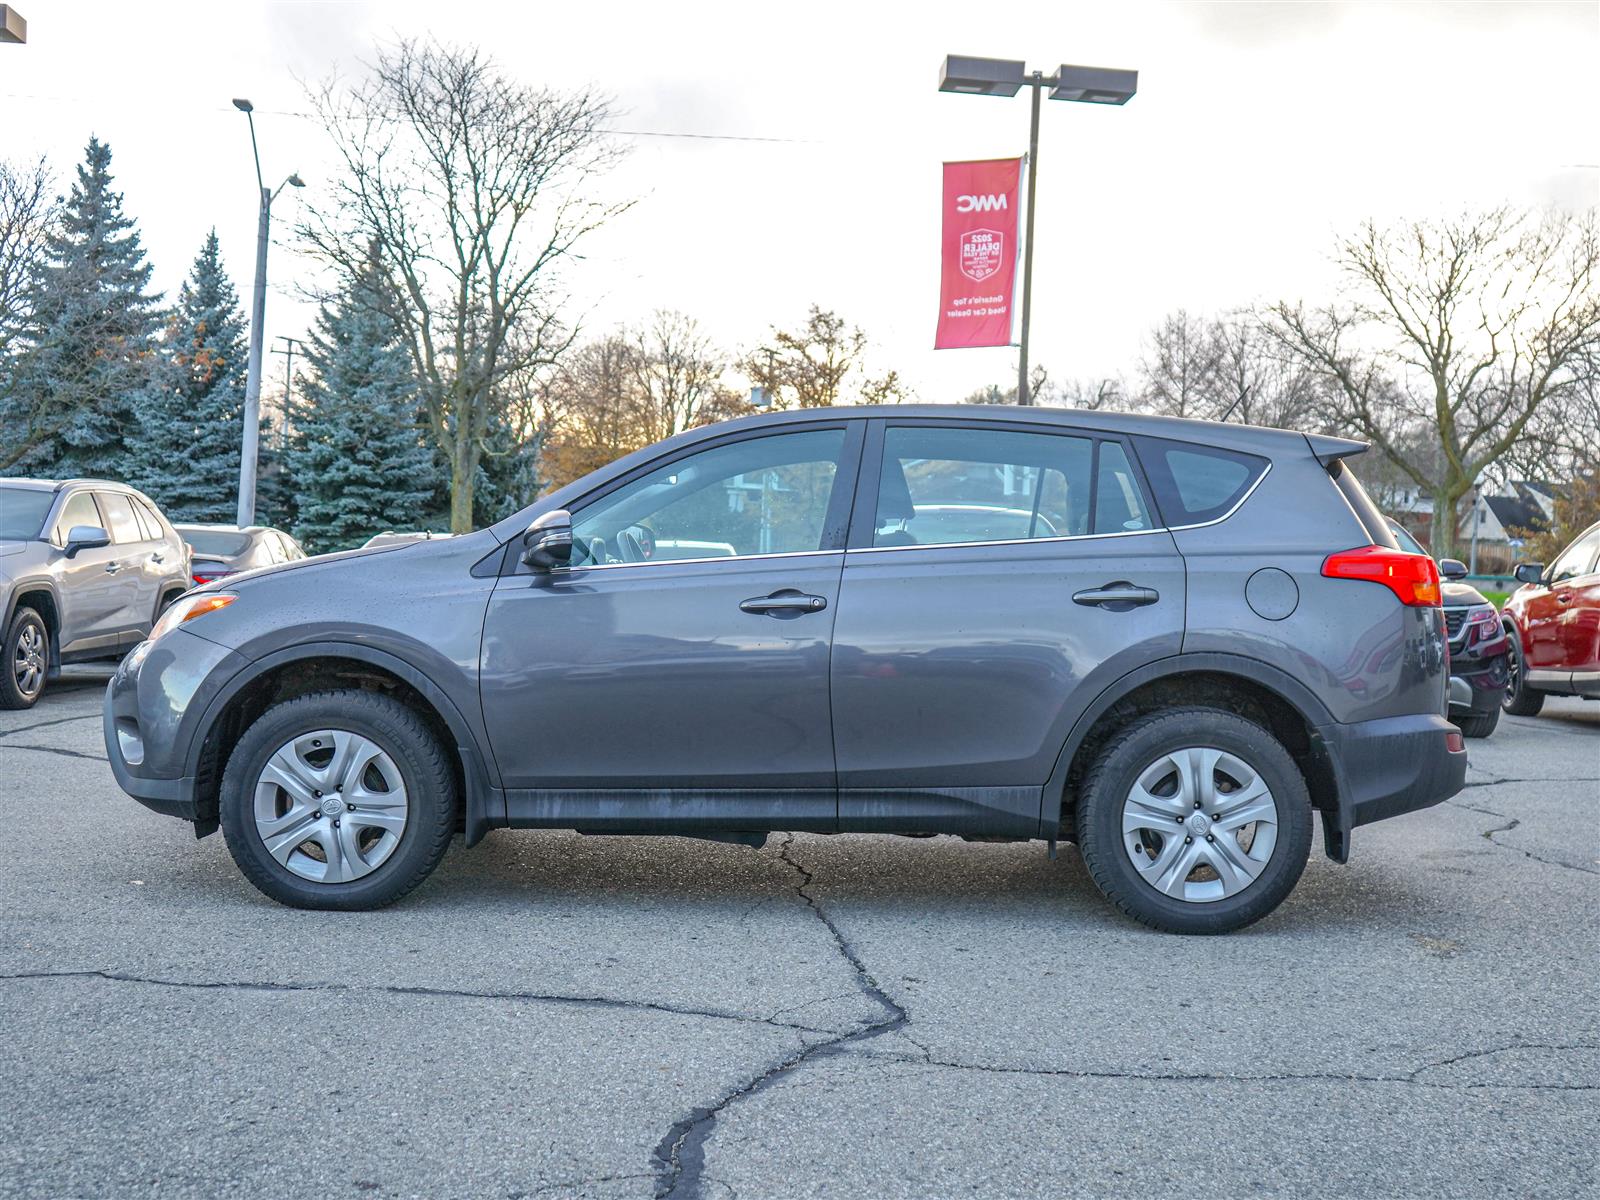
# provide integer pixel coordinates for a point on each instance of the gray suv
(86, 567)
(1173, 643)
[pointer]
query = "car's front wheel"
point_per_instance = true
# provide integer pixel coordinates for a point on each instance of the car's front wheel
(1194, 821)
(1520, 700)
(26, 658)
(338, 800)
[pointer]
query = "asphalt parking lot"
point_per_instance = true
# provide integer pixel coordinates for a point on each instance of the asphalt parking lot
(554, 1015)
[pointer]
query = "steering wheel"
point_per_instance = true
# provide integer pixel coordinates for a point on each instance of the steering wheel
(629, 548)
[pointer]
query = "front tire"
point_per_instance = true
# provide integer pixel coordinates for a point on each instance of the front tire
(1520, 700)
(1194, 821)
(338, 800)
(24, 660)
(1477, 724)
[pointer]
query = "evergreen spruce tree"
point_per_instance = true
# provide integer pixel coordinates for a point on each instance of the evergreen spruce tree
(185, 448)
(93, 349)
(356, 457)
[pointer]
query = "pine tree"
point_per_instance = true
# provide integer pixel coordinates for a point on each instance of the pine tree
(185, 448)
(356, 457)
(93, 349)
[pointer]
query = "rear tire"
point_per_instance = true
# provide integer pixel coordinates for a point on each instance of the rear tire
(1477, 724)
(24, 660)
(1521, 700)
(1233, 756)
(407, 809)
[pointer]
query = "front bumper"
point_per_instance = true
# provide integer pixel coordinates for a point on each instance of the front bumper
(1478, 677)
(154, 707)
(1387, 767)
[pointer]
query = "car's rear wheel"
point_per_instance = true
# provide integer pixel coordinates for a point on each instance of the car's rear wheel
(1194, 821)
(26, 659)
(339, 800)
(1521, 700)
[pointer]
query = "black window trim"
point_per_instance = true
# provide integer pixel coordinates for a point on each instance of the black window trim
(835, 525)
(1233, 508)
(863, 527)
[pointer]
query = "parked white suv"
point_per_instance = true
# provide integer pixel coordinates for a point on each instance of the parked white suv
(86, 566)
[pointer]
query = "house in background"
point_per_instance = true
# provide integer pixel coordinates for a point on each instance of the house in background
(1526, 505)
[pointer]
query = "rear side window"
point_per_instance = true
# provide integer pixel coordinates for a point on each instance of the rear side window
(119, 514)
(1195, 484)
(151, 518)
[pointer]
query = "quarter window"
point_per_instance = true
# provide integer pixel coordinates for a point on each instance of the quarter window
(1195, 484)
(954, 485)
(119, 514)
(764, 495)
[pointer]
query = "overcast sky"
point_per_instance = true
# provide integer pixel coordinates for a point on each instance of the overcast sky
(1259, 130)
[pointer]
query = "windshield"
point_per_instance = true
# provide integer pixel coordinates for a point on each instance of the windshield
(1407, 543)
(22, 512)
(216, 541)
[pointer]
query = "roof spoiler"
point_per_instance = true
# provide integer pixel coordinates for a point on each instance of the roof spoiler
(1327, 449)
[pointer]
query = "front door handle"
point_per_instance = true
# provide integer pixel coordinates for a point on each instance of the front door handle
(783, 602)
(1119, 596)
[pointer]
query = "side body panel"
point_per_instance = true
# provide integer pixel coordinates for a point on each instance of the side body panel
(1363, 653)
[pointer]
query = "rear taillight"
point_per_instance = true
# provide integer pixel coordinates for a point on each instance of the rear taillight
(1414, 578)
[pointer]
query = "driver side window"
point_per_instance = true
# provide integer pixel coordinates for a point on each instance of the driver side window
(763, 495)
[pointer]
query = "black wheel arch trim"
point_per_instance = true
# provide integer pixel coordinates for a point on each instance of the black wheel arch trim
(483, 802)
(1301, 698)
(40, 583)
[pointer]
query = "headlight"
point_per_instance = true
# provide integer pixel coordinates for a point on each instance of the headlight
(187, 609)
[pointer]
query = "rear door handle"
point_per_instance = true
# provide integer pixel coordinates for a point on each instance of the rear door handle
(783, 602)
(157, 558)
(1117, 596)
(113, 567)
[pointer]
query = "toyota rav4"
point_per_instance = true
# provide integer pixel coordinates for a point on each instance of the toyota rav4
(1173, 643)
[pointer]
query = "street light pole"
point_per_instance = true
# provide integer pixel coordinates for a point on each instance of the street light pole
(250, 452)
(1005, 77)
(1023, 396)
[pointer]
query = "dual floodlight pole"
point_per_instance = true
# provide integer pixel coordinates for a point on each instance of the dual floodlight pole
(1004, 77)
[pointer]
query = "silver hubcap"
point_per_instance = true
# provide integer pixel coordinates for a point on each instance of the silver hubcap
(330, 806)
(1199, 825)
(27, 666)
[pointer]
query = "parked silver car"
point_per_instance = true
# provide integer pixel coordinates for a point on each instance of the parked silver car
(86, 567)
(224, 550)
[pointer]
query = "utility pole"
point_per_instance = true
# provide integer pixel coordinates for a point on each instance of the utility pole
(288, 379)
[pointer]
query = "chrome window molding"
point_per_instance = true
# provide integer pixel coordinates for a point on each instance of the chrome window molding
(1238, 504)
(1063, 537)
(678, 562)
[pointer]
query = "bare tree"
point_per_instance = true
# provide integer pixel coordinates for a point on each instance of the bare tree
(1466, 328)
(678, 371)
(1178, 375)
(475, 190)
(28, 212)
(594, 410)
(821, 363)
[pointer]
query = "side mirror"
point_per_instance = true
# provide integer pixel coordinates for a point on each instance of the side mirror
(548, 542)
(1452, 568)
(86, 537)
(1528, 572)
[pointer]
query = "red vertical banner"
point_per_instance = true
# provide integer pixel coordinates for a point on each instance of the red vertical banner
(978, 253)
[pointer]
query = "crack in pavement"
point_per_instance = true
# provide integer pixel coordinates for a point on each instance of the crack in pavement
(5, 733)
(1411, 1078)
(604, 1002)
(100, 758)
(680, 1156)
(1510, 824)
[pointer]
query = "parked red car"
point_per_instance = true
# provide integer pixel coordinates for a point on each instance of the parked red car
(1553, 622)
